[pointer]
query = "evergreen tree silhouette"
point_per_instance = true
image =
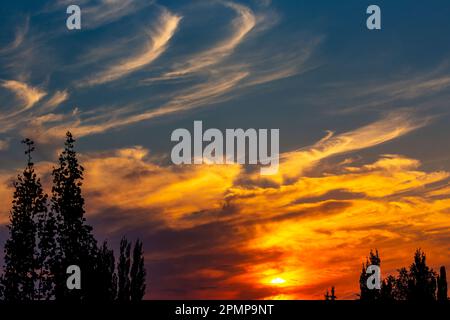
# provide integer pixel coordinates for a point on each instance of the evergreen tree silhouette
(43, 242)
(442, 285)
(77, 245)
(363, 281)
(423, 279)
(366, 293)
(48, 255)
(137, 273)
(123, 271)
(29, 202)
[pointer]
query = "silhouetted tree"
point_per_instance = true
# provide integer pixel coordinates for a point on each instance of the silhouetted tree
(402, 285)
(131, 273)
(442, 285)
(137, 273)
(77, 245)
(332, 296)
(123, 271)
(47, 254)
(43, 243)
(423, 279)
(106, 277)
(366, 293)
(387, 289)
(29, 201)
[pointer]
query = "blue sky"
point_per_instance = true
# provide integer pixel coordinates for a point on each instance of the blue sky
(329, 58)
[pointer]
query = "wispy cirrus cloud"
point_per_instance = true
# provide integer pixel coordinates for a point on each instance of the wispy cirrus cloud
(19, 37)
(274, 66)
(98, 13)
(241, 25)
(217, 85)
(390, 127)
(27, 94)
(381, 94)
(412, 89)
(55, 100)
(159, 38)
(197, 96)
(108, 11)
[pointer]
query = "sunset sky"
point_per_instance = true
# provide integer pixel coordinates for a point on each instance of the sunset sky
(364, 134)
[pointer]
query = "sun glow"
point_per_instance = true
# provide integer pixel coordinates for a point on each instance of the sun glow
(277, 281)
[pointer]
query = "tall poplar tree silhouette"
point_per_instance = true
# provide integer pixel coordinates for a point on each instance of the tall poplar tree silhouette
(123, 271)
(29, 202)
(106, 278)
(131, 273)
(137, 273)
(442, 285)
(77, 245)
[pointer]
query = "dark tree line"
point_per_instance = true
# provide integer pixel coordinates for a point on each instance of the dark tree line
(48, 235)
(419, 282)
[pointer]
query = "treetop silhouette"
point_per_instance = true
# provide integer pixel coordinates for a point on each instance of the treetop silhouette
(46, 237)
(418, 283)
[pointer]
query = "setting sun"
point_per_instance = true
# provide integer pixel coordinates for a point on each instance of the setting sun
(277, 281)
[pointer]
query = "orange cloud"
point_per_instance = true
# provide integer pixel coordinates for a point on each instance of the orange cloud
(315, 231)
(324, 238)
(392, 126)
(284, 241)
(140, 184)
(55, 100)
(28, 95)
(6, 191)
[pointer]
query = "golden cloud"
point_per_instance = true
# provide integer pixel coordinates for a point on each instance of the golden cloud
(301, 237)
(27, 94)
(140, 184)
